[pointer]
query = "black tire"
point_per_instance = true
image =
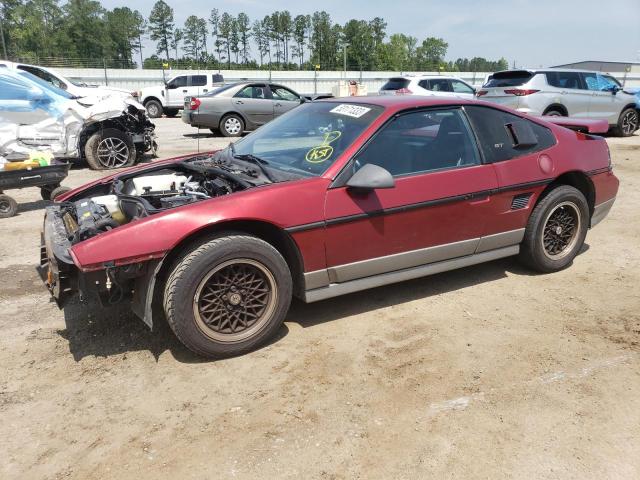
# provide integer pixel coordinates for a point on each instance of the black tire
(549, 228)
(171, 112)
(98, 150)
(154, 108)
(8, 206)
(189, 297)
(232, 125)
(554, 112)
(57, 192)
(627, 123)
(45, 191)
(215, 131)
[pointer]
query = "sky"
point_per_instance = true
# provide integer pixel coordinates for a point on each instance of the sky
(530, 33)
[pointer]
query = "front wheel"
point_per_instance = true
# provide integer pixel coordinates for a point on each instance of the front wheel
(110, 148)
(154, 108)
(627, 123)
(556, 230)
(228, 296)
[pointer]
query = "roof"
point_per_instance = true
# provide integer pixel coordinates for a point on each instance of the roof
(400, 102)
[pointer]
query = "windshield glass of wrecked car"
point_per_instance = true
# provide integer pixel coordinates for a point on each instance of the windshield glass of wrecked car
(310, 137)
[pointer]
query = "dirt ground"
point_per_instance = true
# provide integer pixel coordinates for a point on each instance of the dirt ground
(485, 372)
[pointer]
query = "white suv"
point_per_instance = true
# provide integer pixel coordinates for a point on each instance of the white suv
(77, 89)
(437, 85)
(572, 93)
(169, 98)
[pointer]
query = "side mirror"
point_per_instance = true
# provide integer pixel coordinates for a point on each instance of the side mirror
(371, 177)
(303, 100)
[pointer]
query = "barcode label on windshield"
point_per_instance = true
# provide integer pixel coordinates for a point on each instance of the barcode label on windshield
(355, 111)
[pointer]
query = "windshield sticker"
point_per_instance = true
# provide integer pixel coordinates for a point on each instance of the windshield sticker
(319, 154)
(355, 111)
(331, 137)
(323, 152)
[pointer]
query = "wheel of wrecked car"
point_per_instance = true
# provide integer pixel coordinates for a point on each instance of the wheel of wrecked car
(154, 108)
(8, 206)
(228, 295)
(109, 148)
(232, 126)
(58, 191)
(627, 123)
(556, 230)
(45, 191)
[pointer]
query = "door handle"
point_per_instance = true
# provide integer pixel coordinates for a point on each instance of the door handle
(184, 91)
(564, 92)
(238, 102)
(205, 90)
(278, 104)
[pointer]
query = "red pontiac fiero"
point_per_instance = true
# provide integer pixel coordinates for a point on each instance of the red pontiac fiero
(333, 197)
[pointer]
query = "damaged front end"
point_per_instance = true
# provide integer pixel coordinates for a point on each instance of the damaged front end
(127, 200)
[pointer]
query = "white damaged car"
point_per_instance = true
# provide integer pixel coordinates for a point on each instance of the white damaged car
(108, 132)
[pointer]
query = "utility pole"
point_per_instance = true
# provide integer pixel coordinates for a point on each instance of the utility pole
(344, 54)
(4, 47)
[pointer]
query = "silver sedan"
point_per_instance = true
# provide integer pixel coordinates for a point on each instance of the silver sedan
(239, 107)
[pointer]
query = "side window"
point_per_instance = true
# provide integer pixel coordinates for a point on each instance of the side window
(602, 83)
(253, 91)
(496, 134)
(564, 80)
(461, 87)
(596, 82)
(440, 85)
(178, 82)
(198, 80)
(425, 84)
(422, 141)
(611, 80)
(44, 75)
(281, 93)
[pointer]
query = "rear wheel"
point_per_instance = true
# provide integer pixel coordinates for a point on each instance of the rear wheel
(110, 148)
(627, 123)
(154, 108)
(228, 296)
(8, 206)
(556, 230)
(231, 126)
(554, 112)
(170, 112)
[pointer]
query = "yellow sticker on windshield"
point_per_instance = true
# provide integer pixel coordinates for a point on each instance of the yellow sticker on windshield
(323, 152)
(319, 154)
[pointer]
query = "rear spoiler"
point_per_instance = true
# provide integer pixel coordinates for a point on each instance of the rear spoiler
(579, 124)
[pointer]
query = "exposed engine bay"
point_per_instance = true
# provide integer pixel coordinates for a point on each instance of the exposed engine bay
(132, 196)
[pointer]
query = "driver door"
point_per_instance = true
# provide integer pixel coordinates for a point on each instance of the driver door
(283, 99)
(436, 211)
(176, 90)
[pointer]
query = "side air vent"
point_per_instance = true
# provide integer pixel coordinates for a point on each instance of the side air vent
(520, 201)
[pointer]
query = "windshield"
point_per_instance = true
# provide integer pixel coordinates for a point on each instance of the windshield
(309, 138)
(46, 85)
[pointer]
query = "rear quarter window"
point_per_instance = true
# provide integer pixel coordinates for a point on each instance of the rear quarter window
(496, 141)
(396, 84)
(198, 80)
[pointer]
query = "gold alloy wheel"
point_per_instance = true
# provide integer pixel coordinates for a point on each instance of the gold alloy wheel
(235, 300)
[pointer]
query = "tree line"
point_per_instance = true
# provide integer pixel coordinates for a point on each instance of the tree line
(34, 29)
